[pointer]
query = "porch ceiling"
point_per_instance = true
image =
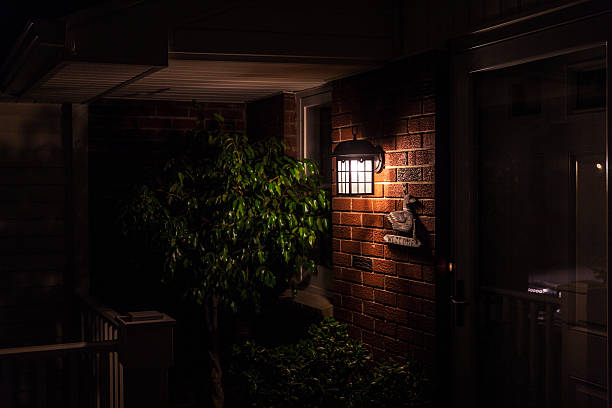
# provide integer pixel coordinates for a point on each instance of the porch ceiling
(231, 81)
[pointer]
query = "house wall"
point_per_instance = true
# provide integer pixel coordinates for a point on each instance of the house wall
(274, 117)
(33, 256)
(387, 294)
(127, 138)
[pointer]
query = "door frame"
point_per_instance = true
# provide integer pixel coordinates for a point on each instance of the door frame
(561, 32)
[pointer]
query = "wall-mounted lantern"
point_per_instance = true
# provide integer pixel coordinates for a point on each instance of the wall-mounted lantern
(356, 162)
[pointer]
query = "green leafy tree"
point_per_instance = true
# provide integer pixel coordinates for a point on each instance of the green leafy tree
(235, 221)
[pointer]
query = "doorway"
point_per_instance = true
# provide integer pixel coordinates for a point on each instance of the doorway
(530, 221)
(314, 108)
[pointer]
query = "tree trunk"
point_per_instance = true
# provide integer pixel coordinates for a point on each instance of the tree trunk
(216, 375)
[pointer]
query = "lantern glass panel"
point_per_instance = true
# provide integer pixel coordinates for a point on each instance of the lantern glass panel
(343, 176)
(361, 176)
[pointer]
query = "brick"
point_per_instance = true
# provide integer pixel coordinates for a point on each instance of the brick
(410, 158)
(385, 175)
(429, 241)
(383, 266)
(365, 264)
(342, 287)
(362, 204)
(352, 303)
(429, 140)
(341, 204)
(387, 223)
(346, 134)
(373, 339)
(341, 232)
(335, 245)
(397, 253)
(343, 314)
(362, 234)
(421, 190)
(396, 315)
(381, 205)
(379, 234)
(395, 127)
(362, 292)
(409, 303)
(421, 289)
(337, 299)
(373, 279)
(354, 332)
(427, 207)
(425, 323)
(410, 174)
(429, 308)
(394, 190)
(429, 173)
(387, 143)
(408, 142)
(424, 157)
(335, 218)
(351, 275)
(368, 249)
(396, 346)
(350, 219)
(421, 124)
(374, 309)
(384, 327)
(429, 105)
(397, 284)
(335, 135)
(341, 259)
(409, 107)
(428, 273)
(395, 159)
(351, 247)
(378, 190)
(387, 298)
(410, 335)
(372, 220)
(429, 223)
(344, 119)
(409, 271)
(363, 321)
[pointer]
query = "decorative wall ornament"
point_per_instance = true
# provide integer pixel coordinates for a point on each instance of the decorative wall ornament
(403, 222)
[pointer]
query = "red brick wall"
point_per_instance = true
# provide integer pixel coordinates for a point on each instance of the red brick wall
(386, 294)
(274, 117)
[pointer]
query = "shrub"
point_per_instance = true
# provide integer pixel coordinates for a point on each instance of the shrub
(327, 369)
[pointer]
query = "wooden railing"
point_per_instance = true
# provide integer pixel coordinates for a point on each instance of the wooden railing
(528, 330)
(91, 373)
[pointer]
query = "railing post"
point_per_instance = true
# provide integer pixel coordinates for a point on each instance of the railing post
(145, 351)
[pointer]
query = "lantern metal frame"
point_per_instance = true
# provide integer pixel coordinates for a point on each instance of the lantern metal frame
(361, 150)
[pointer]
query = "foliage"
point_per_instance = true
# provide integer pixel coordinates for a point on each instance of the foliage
(327, 369)
(233, 220)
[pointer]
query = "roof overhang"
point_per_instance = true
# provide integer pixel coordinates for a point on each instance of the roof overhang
(231, 51)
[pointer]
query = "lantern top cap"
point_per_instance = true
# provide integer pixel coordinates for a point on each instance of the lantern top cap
(356, 148)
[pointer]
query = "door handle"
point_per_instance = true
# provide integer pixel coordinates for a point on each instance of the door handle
(458, 302)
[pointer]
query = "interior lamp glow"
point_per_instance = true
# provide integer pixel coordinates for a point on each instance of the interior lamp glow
(356, 162)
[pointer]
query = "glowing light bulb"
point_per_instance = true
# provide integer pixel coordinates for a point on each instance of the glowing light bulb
(599, 166)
